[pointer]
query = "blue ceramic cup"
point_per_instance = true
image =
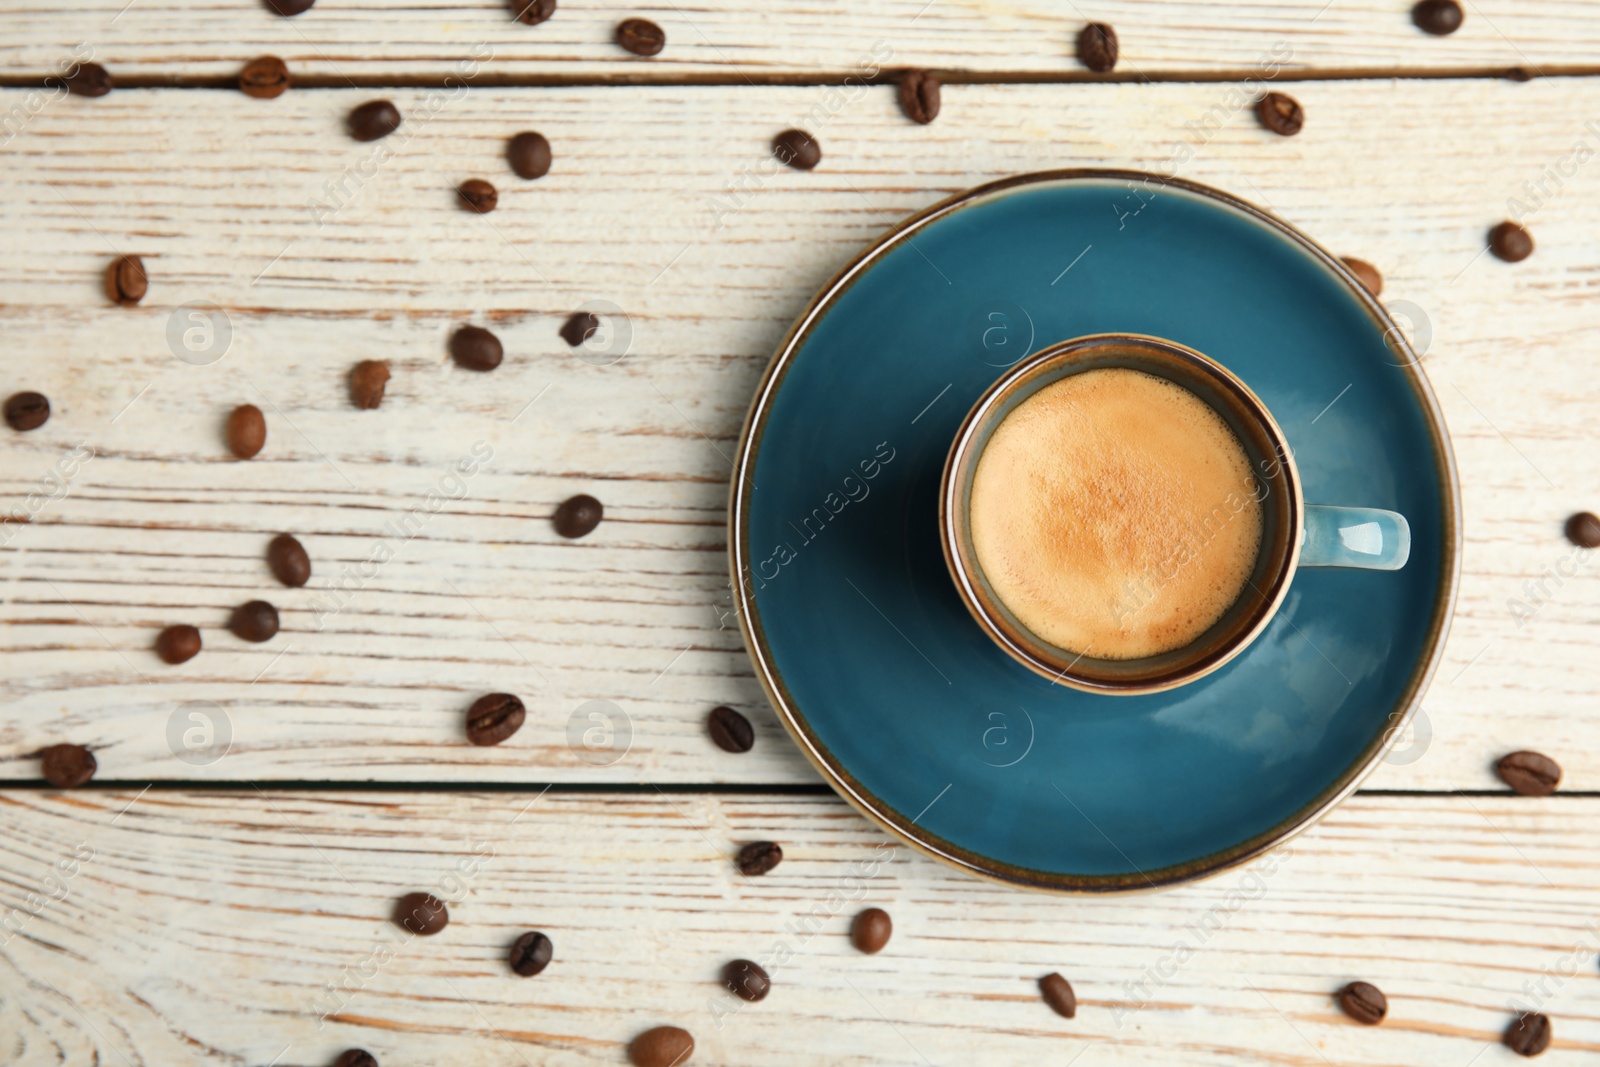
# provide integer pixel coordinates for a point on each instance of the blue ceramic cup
(1294, 534)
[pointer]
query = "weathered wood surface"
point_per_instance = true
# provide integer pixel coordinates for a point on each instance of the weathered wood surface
(732, 40)
(186, 928)
(219, 193)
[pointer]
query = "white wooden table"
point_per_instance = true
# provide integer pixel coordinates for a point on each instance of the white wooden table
(236, 911)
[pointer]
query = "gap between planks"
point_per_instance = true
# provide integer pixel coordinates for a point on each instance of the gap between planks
(840, 78)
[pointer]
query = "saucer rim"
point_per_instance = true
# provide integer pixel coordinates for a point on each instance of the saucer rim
(896, 823)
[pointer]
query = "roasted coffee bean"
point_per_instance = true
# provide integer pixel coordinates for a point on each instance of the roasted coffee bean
(759, 857)
(1529, 1035)
(27, 411)
(264, 77)
(356, 1057)
(478, 195)
(533, 12)
(1533, 774)
(475, 348)
(178, 644)
(126, 281)
(1438, 17)
(871, 930)
(290, 8)
(919, 96)
(1097, 47)
(374, 119)
(493, 718)
(578, 327)
(731, 731)
(1519, 74)
(67, 766)
(529, 155)
(641, 36)
(578, 516)
(247, 430)
(288, 560)
(255, 621)
(1281, 113)
(531, 954)
(421, 913)
(1057, 993)
(1366, 274)
(1583, 529)
(797, 149)
(665, 1046)
(746, 980)
(367, 380)
(1511, 242)
(89, 79)
(1364, 1002)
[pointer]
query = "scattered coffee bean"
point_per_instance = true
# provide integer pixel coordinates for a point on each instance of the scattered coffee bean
(27, 411)
(1519, 74)
(255, 621)
(529, 155)
(1364, 1002)
(264, 77)
(665, 1046)
(475, 348)
(746, 980)
(731, 731)
(1533, 774)
(919, 96)
(67, 766)
(126, 281)
(374, 119)
(367, 380)
(578, 327)
(533, 12)
(1057, 993)
(89, 79)
(247, 430)
(797, 149)
(1511, 242)
(1366, 274)
(1097, 47)
(288, 560)
(531, 954)
(1529, 1035)
(421, 913)
(290, 8)
(493, 718)
(641, 36)
(1583, 530)
(1281, 113)
(870, 930)
(356, 1057)
(578, 516)
(1438, 17)
(178, 644)
(478, 195)
(759, 857)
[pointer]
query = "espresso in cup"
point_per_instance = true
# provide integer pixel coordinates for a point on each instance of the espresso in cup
(1116, 514)
(1122, 515)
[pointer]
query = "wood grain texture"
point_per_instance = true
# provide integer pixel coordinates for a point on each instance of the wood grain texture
(324, 253)
(364, 40)
(181, 928)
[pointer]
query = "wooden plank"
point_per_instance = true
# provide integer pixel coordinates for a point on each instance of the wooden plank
(218, 193)
(192, 928)
(366, 40)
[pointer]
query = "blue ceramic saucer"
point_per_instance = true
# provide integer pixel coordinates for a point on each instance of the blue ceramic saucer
(887, 683)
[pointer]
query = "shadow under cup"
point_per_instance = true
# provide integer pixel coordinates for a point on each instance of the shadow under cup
(1277, 487)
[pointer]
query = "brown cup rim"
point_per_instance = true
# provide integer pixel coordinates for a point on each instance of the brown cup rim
(1034, 652)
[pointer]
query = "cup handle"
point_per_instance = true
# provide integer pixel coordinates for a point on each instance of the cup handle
(1365, 538)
